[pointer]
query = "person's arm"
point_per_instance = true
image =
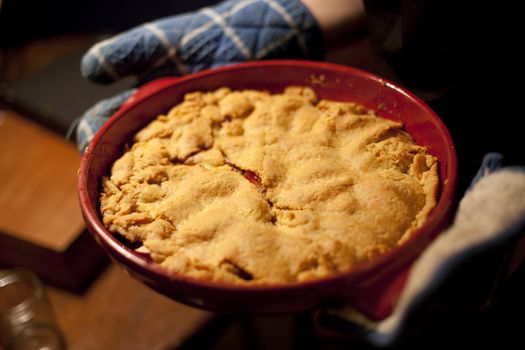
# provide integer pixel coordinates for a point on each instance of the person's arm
(341, 21)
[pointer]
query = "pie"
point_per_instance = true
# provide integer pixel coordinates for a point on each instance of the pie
(250, 187)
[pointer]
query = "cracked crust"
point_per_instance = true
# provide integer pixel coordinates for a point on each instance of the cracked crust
(249, 187)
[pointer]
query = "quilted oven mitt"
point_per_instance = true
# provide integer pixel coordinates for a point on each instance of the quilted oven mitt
(230, 32)
(461, 271)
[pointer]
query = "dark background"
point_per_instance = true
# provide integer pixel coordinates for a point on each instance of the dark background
(24, 20)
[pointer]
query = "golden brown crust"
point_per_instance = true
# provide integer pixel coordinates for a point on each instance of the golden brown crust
(249, 187)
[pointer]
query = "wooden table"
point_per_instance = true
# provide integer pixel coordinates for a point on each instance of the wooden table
(118, 312)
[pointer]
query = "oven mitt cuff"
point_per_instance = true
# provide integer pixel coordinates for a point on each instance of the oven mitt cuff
(462, 269)
(88, 124)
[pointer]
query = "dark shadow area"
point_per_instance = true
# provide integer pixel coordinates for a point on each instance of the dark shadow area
(22, 21)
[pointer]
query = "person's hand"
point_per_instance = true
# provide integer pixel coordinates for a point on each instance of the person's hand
(232, 31)
(461, 271)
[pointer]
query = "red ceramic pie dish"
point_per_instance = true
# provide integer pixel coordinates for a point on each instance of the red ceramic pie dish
(372, 288)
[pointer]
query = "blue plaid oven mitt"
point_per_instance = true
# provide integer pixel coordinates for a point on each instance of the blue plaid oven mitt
(490, 218)
(230, 32)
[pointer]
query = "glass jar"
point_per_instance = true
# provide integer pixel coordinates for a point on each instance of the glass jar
(26, 317)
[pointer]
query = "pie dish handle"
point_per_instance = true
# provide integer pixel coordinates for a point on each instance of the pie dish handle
(377, 299)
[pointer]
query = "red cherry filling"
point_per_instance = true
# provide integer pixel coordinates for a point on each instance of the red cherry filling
(252, 177)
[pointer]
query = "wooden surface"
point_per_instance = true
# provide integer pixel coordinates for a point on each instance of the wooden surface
(38, 197)
(118, 312)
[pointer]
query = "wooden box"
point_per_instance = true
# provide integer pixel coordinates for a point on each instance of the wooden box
(40, 222)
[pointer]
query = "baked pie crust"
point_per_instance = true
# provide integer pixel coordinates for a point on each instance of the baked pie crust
(252, 187)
